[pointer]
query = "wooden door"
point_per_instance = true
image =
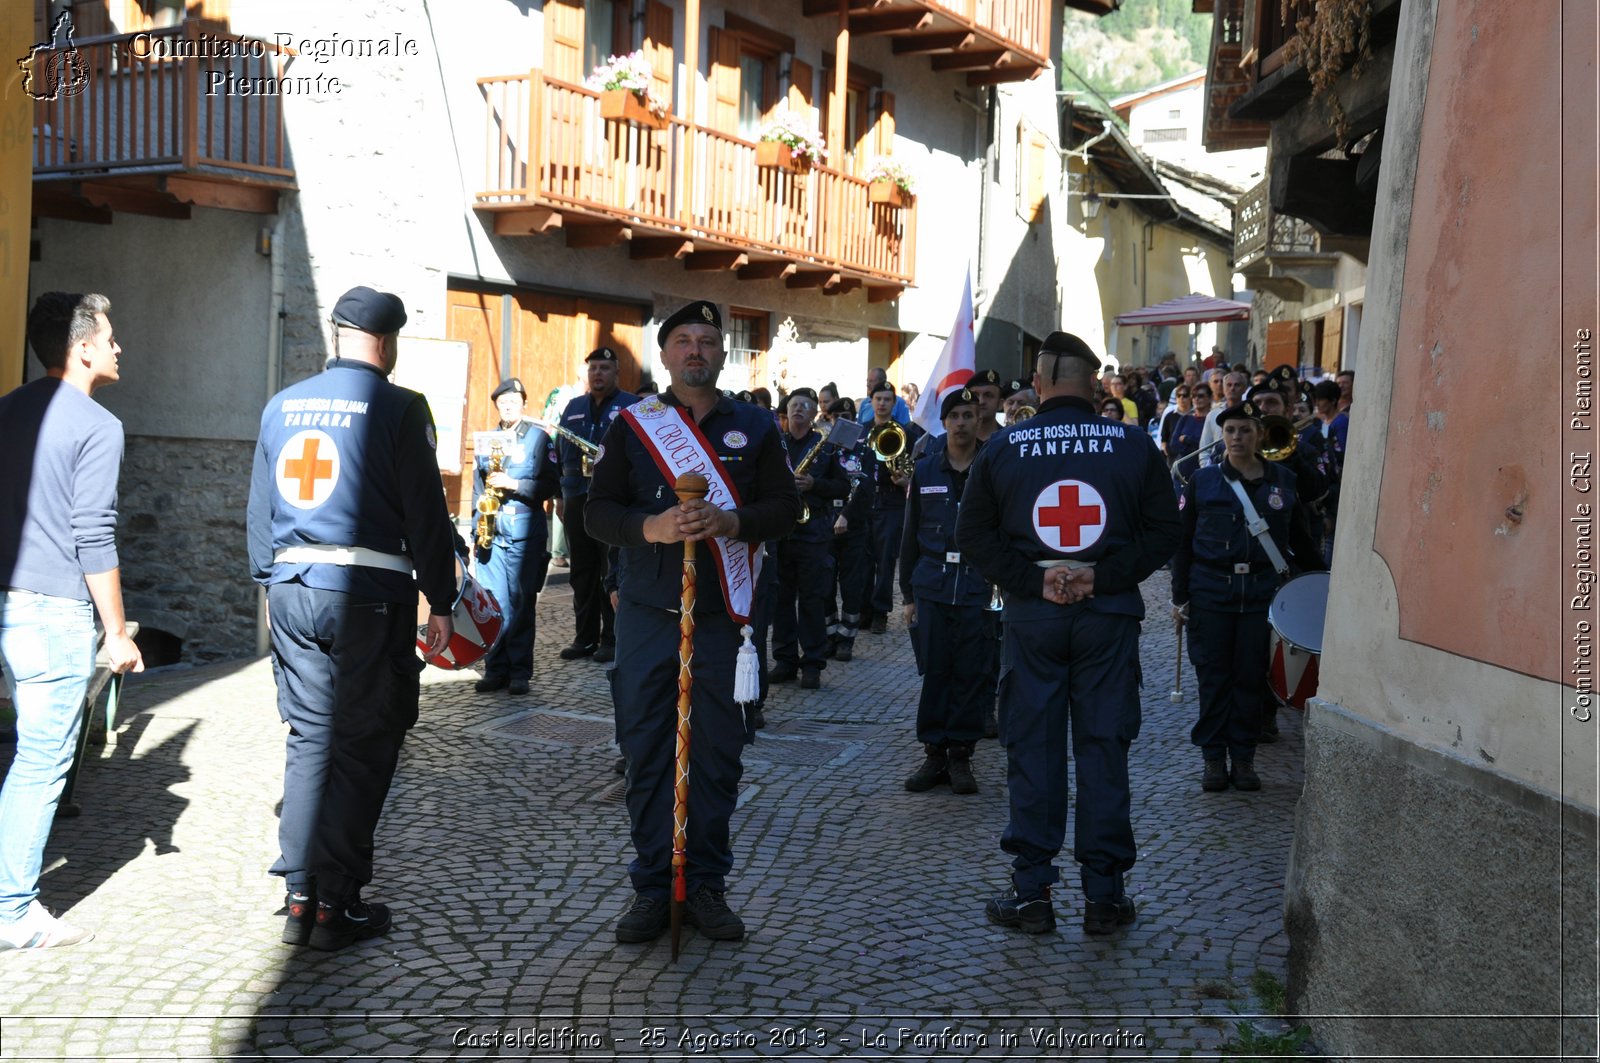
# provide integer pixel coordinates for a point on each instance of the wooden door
(1283, 345)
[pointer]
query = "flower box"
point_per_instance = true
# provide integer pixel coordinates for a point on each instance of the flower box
(889, 193)
(625, 105)
(776, 155)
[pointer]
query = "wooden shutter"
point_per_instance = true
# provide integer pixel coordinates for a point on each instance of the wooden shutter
(801, 87)
(883, 125)
(724, 80)
(1283, 345)
(1032, 189)
(658, 49)
(1332, 347)
(563, 40)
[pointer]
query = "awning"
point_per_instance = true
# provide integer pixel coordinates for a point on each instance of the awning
(1186, 310)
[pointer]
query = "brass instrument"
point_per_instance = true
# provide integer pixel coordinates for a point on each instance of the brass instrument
(888, 442)
(1279, 437)
(1022, 414)
(489, 501)
(805, 463)
(589, 451)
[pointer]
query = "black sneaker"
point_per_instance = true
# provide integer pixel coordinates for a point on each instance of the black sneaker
(300, 915)
(845, 651)
(517, 687)
(621, 766)
(880, 624)
(934, 770)
(1031, 916)
(576, 652)
(782, 673)
(1244, 775)
(606, 653)
(1215, 776)
(810, 679)
(646, 920)
(490, 683)
(758, 718)
(1107, 917)
(707, 911)
(338, 926)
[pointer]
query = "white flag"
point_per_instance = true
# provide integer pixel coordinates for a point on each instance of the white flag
(954, 368)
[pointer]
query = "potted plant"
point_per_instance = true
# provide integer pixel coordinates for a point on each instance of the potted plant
(623, 82)
(789, 142)
(890, 183)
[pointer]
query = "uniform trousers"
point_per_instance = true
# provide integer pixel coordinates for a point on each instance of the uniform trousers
(646, 696)
(953, 645)
(886, 525)
(514, 573)
(852, 568)
(1229, 654)
(1075, 670)
(799, 622)
(586, 571)
(348, 681)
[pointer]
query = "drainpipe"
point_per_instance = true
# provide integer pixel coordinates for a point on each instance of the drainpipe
(275, 340)
(980, 147)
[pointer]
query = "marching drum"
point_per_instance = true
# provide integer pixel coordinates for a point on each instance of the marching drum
(477, 619)
(1296, 616)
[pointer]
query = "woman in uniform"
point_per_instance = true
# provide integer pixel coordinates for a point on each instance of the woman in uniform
(1223, 581)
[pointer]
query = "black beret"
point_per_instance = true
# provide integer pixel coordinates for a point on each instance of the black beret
(964, 397)
(699, 312)
(1011, 387)
(510, 383)
(885, 386)
(1244, 409)
(986, 378)
(800, 393)
(744, 396)
(1274, 384)
(1065, 343)
(1286, 375)
(376, 312)
(601, 354)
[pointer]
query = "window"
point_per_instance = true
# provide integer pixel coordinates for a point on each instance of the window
(747, 344)
(599, 32)
(746, 60)
(1159, 136)
(753, 98)
(1175, 113)
(868, 116)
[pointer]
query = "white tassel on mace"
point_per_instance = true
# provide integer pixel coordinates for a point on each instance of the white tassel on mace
(747, 670)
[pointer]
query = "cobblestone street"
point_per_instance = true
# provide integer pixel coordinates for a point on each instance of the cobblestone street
(503, 853)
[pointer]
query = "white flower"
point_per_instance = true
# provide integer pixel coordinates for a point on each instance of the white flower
(804, 140)
(884, 168)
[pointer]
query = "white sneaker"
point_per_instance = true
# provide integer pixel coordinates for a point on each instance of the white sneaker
(38, 929)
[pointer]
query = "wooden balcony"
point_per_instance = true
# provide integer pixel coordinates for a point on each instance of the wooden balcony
(154, 126)
(554, 164)
(990, 41)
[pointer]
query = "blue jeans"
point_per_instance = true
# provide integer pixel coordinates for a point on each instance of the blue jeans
(48, 646)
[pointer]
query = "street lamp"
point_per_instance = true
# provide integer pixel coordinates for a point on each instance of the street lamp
(1091, 206)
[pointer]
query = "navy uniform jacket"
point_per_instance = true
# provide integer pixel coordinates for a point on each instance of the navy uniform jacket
(583, 418)
(346, 458)
(628, 487)
(856, 505)
(829, 484)
(886, 494)
(1215, 539)
(930, 559)
(532, 461)
(1016, 510)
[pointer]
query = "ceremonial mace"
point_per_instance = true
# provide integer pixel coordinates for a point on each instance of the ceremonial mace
(1177, 666)
(689, 486)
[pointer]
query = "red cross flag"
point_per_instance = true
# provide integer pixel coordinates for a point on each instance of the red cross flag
(308, 469)
(953, 369)
(1069, 516)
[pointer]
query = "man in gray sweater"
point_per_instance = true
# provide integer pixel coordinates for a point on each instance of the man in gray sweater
(58, 553)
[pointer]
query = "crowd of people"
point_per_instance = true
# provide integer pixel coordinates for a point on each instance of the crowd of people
(1017, 534)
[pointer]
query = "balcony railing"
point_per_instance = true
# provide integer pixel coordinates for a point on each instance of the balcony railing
(989, 41)
(1258, 231)
(154, 103)
(1024, 23)
(547, 146)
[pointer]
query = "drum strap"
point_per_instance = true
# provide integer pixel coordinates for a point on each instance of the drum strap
(1258, 528)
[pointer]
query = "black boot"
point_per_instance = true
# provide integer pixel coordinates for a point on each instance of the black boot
(1215, 777)
(960, 770)
(1244, 774)
(934, 770)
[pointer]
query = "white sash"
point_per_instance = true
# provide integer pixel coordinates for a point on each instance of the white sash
(674, 442)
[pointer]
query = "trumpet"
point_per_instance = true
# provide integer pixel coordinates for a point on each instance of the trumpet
(489, 501)
(588, 451)
(889, 443)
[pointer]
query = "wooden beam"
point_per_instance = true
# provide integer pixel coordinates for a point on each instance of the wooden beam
(999, 75)
(661, 247)
(224, 195)
(841, 82)
(597, 235)
(527, 222)
(812, 278)
(706, 260)
(768, 271)
(813, 8)
(890, 22)
(133, 201)
(972, 60)
(883, 293)
(841, 285)
(926, 43)
(53, 204)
